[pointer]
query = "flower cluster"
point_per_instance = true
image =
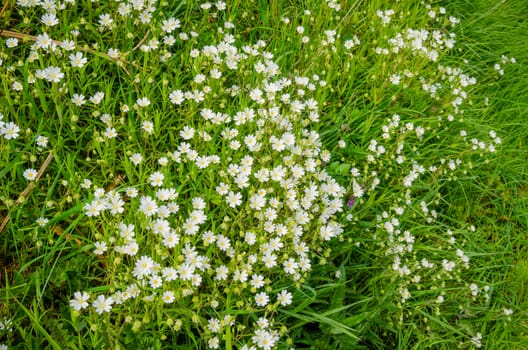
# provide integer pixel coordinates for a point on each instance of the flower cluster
(221, 202)
(425, 256)
(270, 210)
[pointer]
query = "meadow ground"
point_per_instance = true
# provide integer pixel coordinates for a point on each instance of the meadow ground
(263, 174)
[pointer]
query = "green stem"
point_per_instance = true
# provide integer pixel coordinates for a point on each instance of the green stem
(228, 334)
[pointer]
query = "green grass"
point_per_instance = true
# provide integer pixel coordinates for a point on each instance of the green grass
(362, 289)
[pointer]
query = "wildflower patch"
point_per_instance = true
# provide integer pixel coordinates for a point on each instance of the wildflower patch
(218, 165)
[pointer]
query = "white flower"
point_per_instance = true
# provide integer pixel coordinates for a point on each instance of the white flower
(257, 202)
(395, 79)
(113, 53)
(17, 86)
(30, 174)
(78, 100)
(102, 304)
(213, 343)
(156, 281)
(284, 298)
(156, 179)
(93, 208)
(262, 323)
(42, 221)
(208, 237)
(100, 248)
(223, 242)
(97, 97)
(186, 272)
(143, 102)
(221, 273)
(256, 95)
(131, 192)
(44, 41)
(477, 340)
(215, 73)
(214, 325)
(169, 274)
(80, 300)
(240, 276)
(261, 299)
(124, 9)
(136, 158)
(257, 281)
(171, 239)
(12, 42)
(269, 260)
(105, 20)
(148, 127)
(168, 297)
(53, 74)
(290, 266)
(49, 19)
(78, 60)
(234, 199)
(187, 133)
(68, 45)
(220, 5)
(177, 97)
(148, 206)
(126, 231)
(42, 141)
(385, 16)
(143, 267)
(474, 289)
(199, 78)
(265, 340)
(190, 227)
(250, 238)
(110, 133)
(166, 194)
(160, 226)
(9, 130)
(349, 44)
(170, 24)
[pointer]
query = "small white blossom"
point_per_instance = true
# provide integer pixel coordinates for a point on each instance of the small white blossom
(30, 174)
(103, 304)
(80, 300)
